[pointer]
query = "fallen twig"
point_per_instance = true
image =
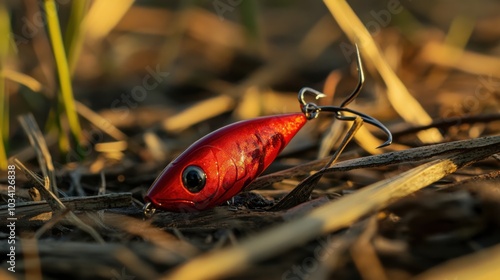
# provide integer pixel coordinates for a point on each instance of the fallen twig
(87, 203)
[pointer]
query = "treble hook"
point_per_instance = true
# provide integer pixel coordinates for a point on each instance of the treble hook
(311, 110)
(361, 80)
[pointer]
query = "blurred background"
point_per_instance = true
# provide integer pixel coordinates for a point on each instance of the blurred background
(151, 77)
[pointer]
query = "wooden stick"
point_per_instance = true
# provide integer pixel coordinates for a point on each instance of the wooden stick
(87, 203)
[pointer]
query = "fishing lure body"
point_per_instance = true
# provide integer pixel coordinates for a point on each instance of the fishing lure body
(221, 164)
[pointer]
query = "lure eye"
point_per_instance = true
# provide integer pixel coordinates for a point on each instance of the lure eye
(194, 178)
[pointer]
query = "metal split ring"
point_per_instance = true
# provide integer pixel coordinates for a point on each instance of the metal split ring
(148, 210)
(311, 110)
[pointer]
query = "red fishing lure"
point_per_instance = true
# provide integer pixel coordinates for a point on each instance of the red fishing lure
(221, 164)
(224, 162)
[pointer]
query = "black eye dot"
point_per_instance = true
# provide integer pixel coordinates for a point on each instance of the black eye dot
(194, 178)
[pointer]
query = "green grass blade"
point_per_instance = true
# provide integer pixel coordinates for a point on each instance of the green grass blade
(64, 77)
(4, 98)
(73, 39)
(249, 18)
(4, 124)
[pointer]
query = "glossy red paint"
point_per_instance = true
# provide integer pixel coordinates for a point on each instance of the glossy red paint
(231, 157)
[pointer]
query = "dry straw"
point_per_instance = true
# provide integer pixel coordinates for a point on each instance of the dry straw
(399, 96)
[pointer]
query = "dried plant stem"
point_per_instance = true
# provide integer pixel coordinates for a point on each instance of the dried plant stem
(100, 122)
(37, 141)
(407, 156)
(58, 206)
(449, 122)
(399, 96)
(87, 203)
